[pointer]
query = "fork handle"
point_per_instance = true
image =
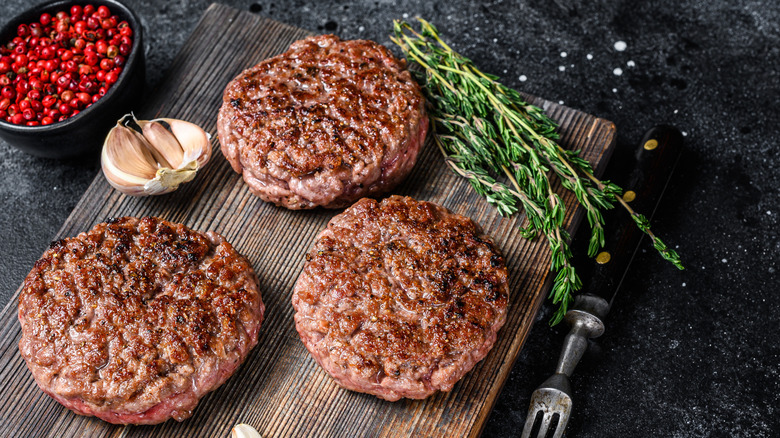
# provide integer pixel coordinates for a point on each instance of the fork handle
(585, 321)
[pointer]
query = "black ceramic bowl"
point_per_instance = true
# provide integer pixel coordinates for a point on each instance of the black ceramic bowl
(85, 131)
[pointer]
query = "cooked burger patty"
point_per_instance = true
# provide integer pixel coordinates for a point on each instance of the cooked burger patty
(137, 319)
(323, 124)
(400, 298)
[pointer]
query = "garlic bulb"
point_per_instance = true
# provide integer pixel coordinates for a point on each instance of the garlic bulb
(244, 431)
(153, 159)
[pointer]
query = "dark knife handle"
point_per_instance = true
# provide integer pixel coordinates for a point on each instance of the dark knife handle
(648, 171)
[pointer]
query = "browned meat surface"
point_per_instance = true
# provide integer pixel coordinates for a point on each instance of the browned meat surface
(400, 298)
(135, 320)
(323, 124)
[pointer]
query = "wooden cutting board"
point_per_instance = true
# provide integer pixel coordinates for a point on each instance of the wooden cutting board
(280, 389)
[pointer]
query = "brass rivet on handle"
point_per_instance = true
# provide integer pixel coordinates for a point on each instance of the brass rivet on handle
(629, 196)
(603, 257)
(651, 144)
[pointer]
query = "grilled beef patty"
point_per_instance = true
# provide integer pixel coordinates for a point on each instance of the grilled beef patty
(137, 319)
(323, 124)
(400, 298)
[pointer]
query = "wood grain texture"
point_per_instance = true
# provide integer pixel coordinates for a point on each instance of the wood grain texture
(280, 389)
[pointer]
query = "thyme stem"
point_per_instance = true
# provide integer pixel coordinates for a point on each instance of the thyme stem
(486, 131)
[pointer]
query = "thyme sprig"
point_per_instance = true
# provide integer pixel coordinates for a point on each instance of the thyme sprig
(488, 134)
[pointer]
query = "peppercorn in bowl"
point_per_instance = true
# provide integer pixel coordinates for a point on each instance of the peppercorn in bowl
(68, 71)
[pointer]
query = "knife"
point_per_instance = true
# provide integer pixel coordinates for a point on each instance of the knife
(653, 164)
(652, 167)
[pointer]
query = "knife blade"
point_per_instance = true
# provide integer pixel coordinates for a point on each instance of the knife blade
(653, 164)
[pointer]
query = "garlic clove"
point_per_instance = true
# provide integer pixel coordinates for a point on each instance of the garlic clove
(129, 173)
(244, 431)
(164, 142)
(156, 160)
(134, 150)
(194, 140)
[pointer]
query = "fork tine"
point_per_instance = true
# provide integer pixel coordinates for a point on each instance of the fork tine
(559, 430)
(563, 419)
(546, 420)
(529, 422)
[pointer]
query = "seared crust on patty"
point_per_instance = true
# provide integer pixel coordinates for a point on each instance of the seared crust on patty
(400, 298)
(136, 319)
(323, 124)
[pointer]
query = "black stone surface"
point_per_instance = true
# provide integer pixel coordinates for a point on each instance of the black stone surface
(692, 353)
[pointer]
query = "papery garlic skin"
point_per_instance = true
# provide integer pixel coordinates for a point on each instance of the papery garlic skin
(167, 180)
(157, 159)
(244, 431)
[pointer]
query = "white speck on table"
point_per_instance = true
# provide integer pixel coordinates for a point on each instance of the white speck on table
(617, 71)
(620, 46)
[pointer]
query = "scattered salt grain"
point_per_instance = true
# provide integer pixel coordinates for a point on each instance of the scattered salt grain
(523, 78)
(560, 102)
(675, 111)
(685, 134)
(361, 29)
(589, 56)
(495, 40)
(617, 72)
(683, 284)
(561, 68)
(724, 261)
(620, 46)
(614, 90)
(564, 54)
(406, 15)
(631, 64)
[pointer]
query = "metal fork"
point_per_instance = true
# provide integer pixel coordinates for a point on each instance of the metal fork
(553, 397)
